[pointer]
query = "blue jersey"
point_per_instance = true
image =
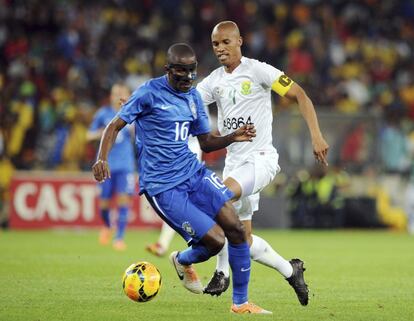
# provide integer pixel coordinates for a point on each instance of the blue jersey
(121, 157)
(164, 118)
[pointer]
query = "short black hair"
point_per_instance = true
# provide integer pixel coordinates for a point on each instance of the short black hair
(179, 50)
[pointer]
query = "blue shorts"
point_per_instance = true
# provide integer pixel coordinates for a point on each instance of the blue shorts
(119, 183)
(190, 208)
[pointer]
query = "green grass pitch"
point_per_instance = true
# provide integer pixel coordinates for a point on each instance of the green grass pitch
(66, 275)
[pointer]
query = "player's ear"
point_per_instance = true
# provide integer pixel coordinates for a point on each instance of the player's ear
(166, 68)
(240, 41)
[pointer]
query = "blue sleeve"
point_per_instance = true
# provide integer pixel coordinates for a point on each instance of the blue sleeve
(97, 121)
(139, 104)
(201, 125)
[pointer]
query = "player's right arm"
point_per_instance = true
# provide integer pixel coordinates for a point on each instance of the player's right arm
(93, 135)
(101, 169)
(138, 104)
(96, 127)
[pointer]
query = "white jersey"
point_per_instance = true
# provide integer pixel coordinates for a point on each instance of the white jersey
(244, 97)
(194, 146)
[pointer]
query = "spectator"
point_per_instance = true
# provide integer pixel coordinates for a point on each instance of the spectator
(315, 199)
(339, 50)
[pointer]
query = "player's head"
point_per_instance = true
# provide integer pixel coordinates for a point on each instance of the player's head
(119, 91)
(227, 42)
(181, 66)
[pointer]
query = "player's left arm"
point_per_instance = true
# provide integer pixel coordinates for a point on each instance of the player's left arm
(286, 87)
(210, 142)
(296, 93)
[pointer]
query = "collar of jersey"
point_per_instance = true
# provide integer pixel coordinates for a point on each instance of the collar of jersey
(242, 60)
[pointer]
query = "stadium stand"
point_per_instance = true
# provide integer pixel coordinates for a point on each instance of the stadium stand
(58, 59)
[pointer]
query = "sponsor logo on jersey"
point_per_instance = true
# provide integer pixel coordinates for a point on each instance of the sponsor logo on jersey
(246, 87)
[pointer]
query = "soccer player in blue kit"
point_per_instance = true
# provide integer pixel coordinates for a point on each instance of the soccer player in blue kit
(121, 160)
(184, 193)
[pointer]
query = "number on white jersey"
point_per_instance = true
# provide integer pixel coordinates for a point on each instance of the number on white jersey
(234, 123)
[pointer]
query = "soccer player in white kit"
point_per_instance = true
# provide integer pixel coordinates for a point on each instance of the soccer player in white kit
(241, 88)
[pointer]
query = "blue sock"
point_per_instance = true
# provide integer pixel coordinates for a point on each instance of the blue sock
(105, 217)
(122, 222)
(239, 259)
(194, 254)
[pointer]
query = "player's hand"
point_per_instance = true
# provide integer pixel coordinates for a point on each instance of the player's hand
(122, 101)
(244, 133)
(101, 171)
(320, 150)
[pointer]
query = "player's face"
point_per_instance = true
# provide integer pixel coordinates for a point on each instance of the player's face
(182, 73)
(118, 92)
(227, 46)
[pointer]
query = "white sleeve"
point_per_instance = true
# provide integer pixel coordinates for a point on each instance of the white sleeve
(266, 74)
(206, 91)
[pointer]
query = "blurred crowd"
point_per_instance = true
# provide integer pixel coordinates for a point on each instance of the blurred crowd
(329, 197)
(58, 60)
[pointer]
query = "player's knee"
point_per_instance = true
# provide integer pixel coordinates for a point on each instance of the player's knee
(237, 233)
(217, 245)
(232, 226)
(214, 240)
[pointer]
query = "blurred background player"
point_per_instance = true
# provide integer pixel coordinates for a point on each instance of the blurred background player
(122, 180)
(241, 88)
(161, 247)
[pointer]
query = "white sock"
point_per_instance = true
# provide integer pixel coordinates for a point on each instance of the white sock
(166, 236)
(262, 252)
(223, 264)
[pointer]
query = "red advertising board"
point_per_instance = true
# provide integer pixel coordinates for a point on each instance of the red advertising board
(54, 199)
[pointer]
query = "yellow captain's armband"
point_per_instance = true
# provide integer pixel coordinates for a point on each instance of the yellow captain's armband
(282, 85)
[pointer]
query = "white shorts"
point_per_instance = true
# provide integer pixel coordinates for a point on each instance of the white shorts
(253, 175)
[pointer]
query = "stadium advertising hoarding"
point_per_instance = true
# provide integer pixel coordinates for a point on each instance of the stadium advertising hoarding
(50, 199)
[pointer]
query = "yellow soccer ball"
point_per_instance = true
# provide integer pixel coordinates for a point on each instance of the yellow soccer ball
(141, 281)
